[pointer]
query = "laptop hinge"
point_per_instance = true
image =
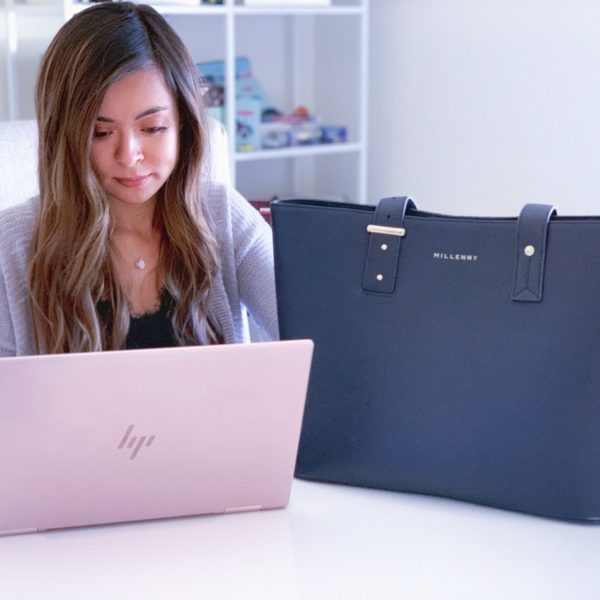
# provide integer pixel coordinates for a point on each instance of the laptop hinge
(238, 509)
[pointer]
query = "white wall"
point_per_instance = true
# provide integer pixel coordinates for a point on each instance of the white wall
(478, 106)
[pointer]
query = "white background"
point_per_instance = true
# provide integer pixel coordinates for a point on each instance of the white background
(478, 106)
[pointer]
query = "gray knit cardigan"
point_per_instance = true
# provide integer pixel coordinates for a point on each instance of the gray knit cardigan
(245, 279)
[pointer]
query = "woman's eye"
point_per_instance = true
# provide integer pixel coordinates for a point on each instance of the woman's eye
(101, 134)
(157, 129)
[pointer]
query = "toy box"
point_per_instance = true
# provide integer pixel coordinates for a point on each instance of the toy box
(247, 124)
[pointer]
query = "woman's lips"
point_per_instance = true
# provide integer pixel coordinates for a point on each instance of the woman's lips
(133, 182)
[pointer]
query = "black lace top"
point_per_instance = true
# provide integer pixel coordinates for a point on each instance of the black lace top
(149, 330)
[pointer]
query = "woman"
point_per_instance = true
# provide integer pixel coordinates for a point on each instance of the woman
(125, 248)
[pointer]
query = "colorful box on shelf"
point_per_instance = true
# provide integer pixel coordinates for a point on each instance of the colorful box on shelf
(274, 134)
(251, 100)
(303, 134)
(282, 133)
(247, 124)
(213, 95)
(214, 70)
(246, 84)
(333, 134)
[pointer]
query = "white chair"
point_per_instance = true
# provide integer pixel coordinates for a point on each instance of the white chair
(19, 159)
(18, 162)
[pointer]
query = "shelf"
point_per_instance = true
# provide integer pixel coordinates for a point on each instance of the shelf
(299, 10)
(221, 10)
(298, 152)
(185, 9)
(172, 9)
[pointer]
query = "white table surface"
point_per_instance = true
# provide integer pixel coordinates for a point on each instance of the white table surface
(331, 542)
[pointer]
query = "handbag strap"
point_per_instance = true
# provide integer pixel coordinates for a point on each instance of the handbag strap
(532, 238)
(385, 234)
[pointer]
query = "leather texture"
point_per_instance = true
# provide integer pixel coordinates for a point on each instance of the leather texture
(449, 384)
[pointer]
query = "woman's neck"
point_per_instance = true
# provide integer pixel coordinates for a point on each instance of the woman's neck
(136, 219)
(135, 253)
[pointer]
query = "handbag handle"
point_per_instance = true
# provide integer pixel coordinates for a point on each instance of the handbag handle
(532, 239)
(387, 230)
(385, 234)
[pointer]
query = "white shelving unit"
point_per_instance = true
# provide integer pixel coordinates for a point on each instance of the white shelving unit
(25, 30)
(319, 59)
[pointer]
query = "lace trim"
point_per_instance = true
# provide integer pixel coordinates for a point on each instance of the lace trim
(149, 313)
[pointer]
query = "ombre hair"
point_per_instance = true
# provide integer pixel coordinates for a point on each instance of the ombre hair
(70, 266)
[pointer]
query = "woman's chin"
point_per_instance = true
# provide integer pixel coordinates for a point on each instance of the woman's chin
(132, 197)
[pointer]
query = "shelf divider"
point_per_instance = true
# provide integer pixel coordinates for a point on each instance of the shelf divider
(299, 151)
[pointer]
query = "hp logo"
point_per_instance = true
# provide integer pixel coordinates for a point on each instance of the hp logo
(134, 442)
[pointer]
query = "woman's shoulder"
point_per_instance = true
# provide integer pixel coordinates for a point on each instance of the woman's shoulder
(20, 217)
(225, 205)
(218, 196)
(17, 222)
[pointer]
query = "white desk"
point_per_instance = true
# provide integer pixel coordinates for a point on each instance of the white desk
(331, 542)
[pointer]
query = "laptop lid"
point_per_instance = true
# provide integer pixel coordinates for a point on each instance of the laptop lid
(143, 434)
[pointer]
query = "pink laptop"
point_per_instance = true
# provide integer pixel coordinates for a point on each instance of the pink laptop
(144, 434)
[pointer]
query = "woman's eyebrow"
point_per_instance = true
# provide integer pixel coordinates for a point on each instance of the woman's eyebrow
(151, 111)
(145, 113)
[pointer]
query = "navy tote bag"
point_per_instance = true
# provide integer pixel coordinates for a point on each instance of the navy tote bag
(454, 356)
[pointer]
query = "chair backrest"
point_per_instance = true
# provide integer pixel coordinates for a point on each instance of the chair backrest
(19, 159)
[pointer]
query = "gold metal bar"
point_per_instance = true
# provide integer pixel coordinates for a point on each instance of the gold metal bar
(399, 231)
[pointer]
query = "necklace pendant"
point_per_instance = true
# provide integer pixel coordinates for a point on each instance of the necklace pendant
(140, 264)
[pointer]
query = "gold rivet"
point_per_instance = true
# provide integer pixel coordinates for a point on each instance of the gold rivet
(529, 250)
(379, 277)
(384, 247)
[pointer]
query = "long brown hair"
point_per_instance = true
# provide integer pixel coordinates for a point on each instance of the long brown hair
(70, 269)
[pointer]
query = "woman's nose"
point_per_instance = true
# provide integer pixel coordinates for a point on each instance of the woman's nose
(129, 151)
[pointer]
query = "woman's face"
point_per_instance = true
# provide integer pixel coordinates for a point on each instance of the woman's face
(136, 137)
